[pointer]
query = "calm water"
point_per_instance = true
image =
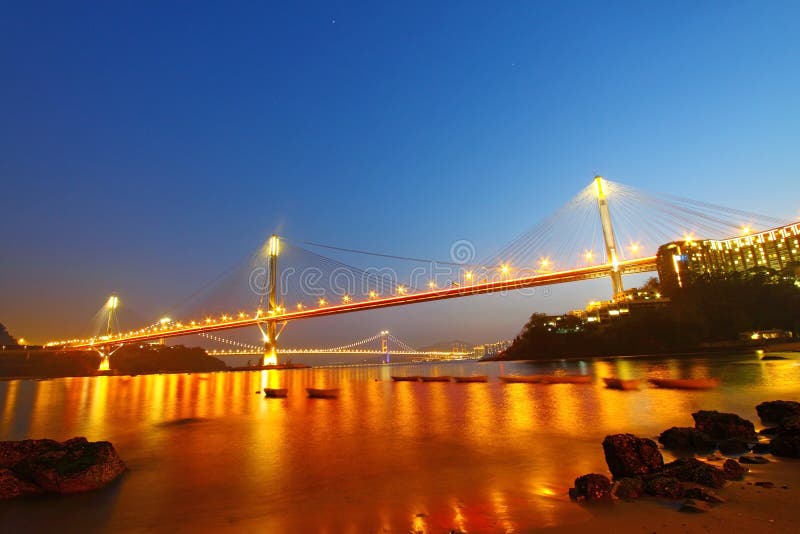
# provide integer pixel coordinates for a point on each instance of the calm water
(205, 452)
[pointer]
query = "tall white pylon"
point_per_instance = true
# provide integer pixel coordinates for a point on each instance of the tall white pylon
(608, 235)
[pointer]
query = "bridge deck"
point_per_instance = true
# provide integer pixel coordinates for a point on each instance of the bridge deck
(640, 265)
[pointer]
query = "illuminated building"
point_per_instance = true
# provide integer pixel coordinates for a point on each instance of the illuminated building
(492, 349)
(680, 262)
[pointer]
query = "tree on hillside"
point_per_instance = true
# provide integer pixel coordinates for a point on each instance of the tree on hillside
(5, 337)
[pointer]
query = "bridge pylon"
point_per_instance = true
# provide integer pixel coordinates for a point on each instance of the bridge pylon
(385, 345)
(608, 235)
(270, 356)
(111, 306)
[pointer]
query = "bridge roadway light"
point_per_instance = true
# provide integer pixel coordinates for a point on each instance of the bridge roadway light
(373, 294)
(745, 230)
(401, 290)
(505, 269)
(432, 284)
(468, 275)
(346, 299)
(322, 302)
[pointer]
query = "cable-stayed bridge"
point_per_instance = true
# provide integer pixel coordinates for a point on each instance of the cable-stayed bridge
(607, 230)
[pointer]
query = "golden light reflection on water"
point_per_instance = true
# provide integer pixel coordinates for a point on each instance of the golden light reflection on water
(479, 457)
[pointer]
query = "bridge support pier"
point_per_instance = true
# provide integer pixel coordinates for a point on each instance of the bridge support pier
(270, 356)
(105, 359)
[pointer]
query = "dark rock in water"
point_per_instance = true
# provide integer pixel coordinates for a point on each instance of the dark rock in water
(715, 458)
(785, 444)
(693, 470)
(703, 494)
(721, 425)
(13, 486)
(777, 411)
(13, 452)
(753, 459)
(733, 470)
(762, 448)
(769, 357)
(790, 425)
(627, 455)
(787, 440)
(694, 507)
(591, 487)
(668, 487)
(765, 484)
(628, 488)
(47, 466)
(686, 438)
(733, 446)
(769, 431)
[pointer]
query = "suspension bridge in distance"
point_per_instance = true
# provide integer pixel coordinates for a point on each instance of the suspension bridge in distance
(361, 347)
(560, 249)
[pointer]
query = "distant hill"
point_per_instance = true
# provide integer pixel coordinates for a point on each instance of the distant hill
(130, 359)
(5, 337)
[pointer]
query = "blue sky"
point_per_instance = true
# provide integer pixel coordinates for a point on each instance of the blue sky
(144, 148)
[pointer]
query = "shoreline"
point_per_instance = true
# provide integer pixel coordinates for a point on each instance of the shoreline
(766, 349)
(280, 367)
(793, 346)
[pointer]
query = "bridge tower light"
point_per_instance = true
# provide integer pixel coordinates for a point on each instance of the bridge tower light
(608, 234)
(111, 305)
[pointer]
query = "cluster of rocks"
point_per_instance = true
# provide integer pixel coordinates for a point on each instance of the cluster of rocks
(732, 435)
(637, 466)
(45, 466)
(786, 435)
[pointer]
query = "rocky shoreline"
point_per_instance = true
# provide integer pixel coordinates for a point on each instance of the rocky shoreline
(44, 466)
(638, 469)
